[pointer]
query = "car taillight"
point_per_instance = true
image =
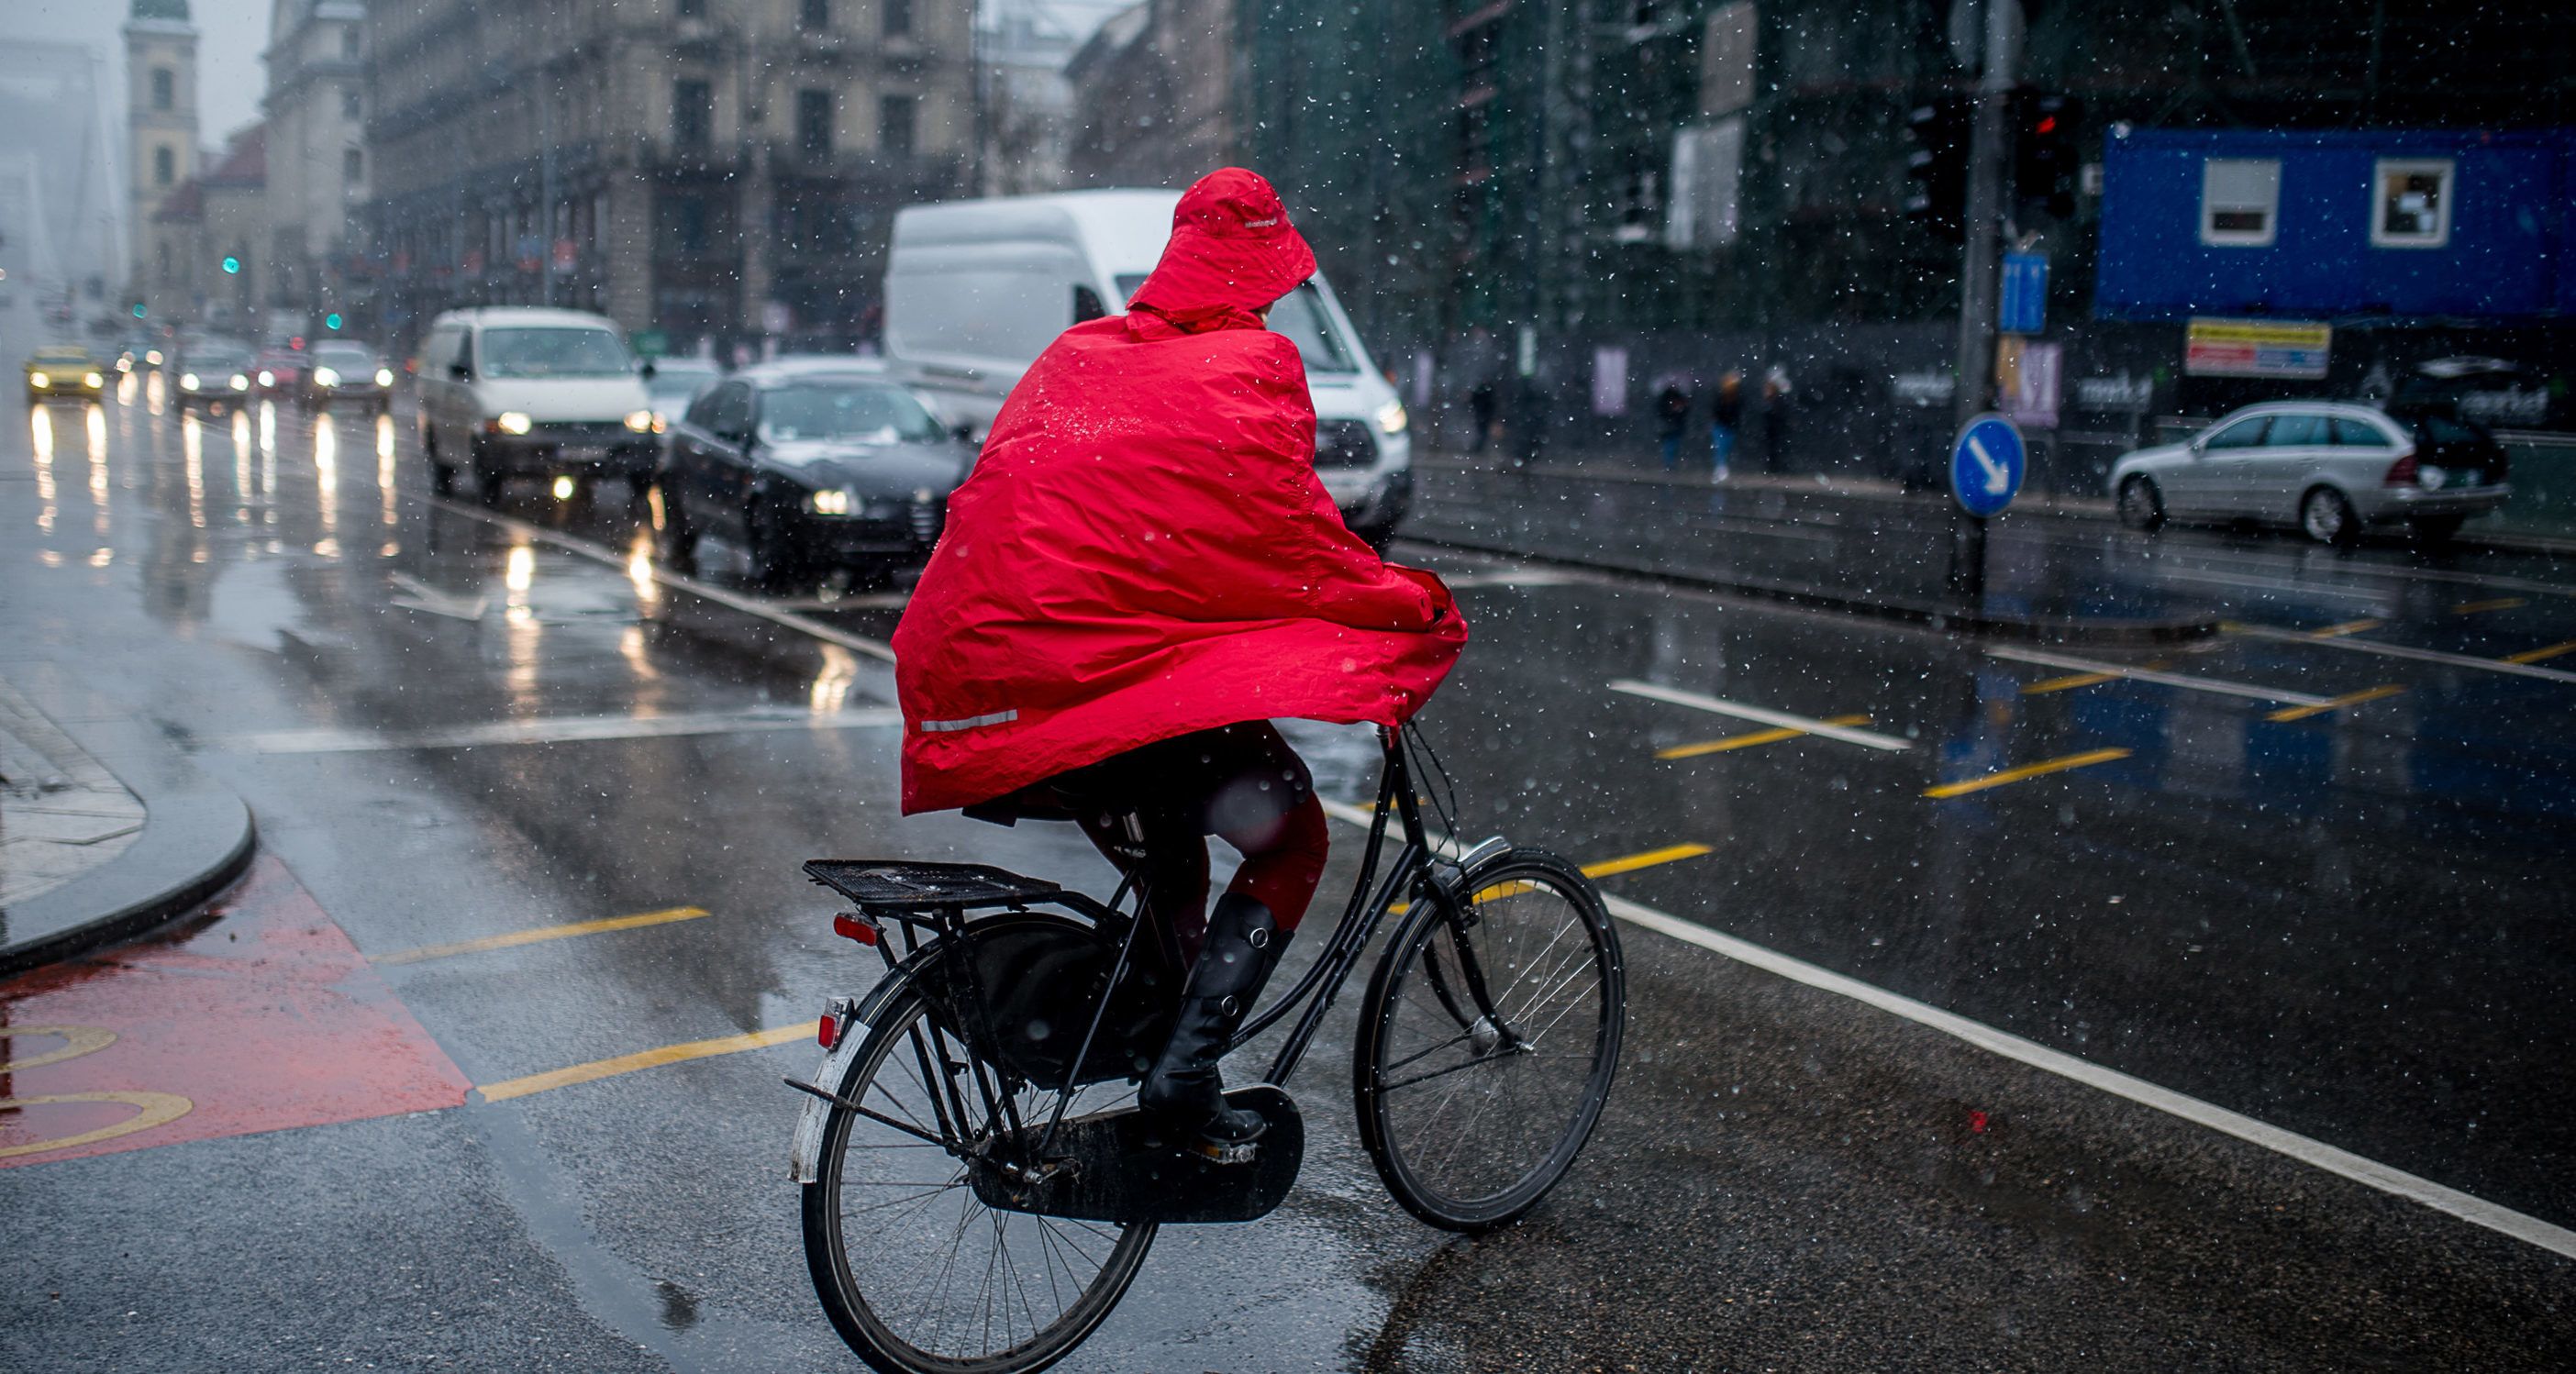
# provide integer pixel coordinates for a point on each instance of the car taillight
(2400, 473)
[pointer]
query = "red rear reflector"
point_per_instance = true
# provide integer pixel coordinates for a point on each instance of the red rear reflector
(2400, 473)
(854, 928)
(827, 1032)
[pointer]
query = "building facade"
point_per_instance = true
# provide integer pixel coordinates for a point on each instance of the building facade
(161, 138)
(709, 172)
(1157, 94)
(208, 240)
(317, 163)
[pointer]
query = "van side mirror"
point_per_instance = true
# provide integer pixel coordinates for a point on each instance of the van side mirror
(964, 434)
(460, 372)
(645, 370)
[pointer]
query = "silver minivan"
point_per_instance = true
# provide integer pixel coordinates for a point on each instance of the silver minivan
(517, 391)
(2330, 469)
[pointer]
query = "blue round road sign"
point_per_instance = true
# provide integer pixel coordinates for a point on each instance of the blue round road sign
(1986, 465)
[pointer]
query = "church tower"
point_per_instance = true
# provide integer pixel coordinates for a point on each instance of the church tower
(161, 121)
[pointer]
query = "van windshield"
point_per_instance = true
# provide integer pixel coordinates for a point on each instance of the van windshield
(1300, 315)
(552, 353)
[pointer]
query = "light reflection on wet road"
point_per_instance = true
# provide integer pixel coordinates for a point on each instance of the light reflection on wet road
(2348, 922)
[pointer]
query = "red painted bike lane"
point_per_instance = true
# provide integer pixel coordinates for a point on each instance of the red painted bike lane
(258, 1016)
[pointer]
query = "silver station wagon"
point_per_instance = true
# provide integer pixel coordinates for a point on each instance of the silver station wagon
(2329, 469)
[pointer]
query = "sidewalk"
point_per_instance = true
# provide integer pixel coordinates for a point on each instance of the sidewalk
(105, 831)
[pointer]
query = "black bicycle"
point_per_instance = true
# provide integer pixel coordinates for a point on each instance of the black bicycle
(979, 1187)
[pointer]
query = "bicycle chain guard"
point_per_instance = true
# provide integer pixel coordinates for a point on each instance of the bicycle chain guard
(1121, 1167)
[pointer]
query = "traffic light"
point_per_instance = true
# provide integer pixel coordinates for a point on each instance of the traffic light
(2044, 124)
(139, 311)
(232, 267)
(331, 321)
(1938, 165)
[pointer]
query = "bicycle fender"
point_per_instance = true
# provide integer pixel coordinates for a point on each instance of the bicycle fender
(806, 1156)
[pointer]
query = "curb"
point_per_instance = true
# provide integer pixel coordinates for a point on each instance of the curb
(2054, 630)
(197, 837)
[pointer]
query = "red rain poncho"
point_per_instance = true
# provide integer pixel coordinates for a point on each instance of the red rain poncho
(1144, 550)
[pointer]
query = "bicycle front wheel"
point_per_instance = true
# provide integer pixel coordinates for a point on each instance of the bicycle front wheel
(1489, 1040)
(918, 1275)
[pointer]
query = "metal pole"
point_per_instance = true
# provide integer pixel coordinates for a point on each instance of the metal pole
(546, 184)
(1999, 69)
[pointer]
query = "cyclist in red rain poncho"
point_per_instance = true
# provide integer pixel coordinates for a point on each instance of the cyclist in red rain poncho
(1141, 574)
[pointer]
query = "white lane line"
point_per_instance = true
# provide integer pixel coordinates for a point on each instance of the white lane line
(2386, 650)
(748, 605)
(2317, 1154)
(554, 730)
(2186, 681)
(1760, 716)
(1532, 578)
(2384, 600)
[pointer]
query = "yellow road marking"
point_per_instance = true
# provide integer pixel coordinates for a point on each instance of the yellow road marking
(1652, 857)
(2536, 655)
(150, 1110)
(644, 1059)
(2032, 770)
(2072, 680)
(2349, 627)
(2501, 603)
(542, 934)
(1747, 741)
(77, 1041)
(2334, 703)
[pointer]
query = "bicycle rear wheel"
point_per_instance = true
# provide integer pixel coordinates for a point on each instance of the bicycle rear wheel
(1488, 1043)
(918, 1275)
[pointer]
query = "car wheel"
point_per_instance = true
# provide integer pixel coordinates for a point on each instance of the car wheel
(2326, 517)
(2142, 506)
(677, 543)
(770, 562)
(2433, 531)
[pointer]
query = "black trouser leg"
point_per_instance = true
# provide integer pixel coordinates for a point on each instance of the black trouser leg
(1243, 946)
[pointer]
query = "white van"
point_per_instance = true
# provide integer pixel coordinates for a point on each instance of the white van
(518, 391)
(976, 289)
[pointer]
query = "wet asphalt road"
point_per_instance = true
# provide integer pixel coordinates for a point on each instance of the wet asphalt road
(2350, 924)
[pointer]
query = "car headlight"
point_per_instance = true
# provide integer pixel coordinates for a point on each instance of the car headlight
(1391, 418)
(267, 378)
(829, 502)
(187, 381)
(323, 376)
(384, 376)
(512, 422)
(640, 421)
(240, 382)
(39, 379)
(153, 357)
(92, 380)
(125, 364)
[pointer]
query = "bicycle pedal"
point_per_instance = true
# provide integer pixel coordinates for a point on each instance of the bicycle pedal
(1218, 1153)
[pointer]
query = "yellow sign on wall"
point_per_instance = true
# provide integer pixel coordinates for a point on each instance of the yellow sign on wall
(2256, 348)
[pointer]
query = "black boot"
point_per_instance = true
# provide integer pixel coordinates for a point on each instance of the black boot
(1243, 946)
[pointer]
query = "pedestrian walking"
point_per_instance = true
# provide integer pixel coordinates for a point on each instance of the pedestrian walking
(1725, 416)
(1480, 412)
(1672, 418)
(1775, 417)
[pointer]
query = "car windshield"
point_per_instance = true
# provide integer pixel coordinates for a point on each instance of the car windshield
(679, 381)
(539, 352)
(858, 412)
(344, 355)
(1300, 315)
(218, 360)
(61, 355)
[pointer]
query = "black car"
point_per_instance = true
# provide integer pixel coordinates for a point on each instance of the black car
(350, 373)
(807, 470)
(215, 374)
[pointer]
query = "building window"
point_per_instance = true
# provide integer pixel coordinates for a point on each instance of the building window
(692, 9)
(349, 42)
(353, 165)
(351, 104)
(693, 115)
(814, 122)
(2410, 202)
(165, 88)
(898, 17)
(164, 166)
(2240, 201)
(894, 124)
(814, 15)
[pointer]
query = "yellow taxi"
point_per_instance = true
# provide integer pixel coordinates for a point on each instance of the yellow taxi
(63, 370)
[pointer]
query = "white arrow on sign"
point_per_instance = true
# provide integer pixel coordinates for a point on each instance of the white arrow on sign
(1997, 477)
(425, 597)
